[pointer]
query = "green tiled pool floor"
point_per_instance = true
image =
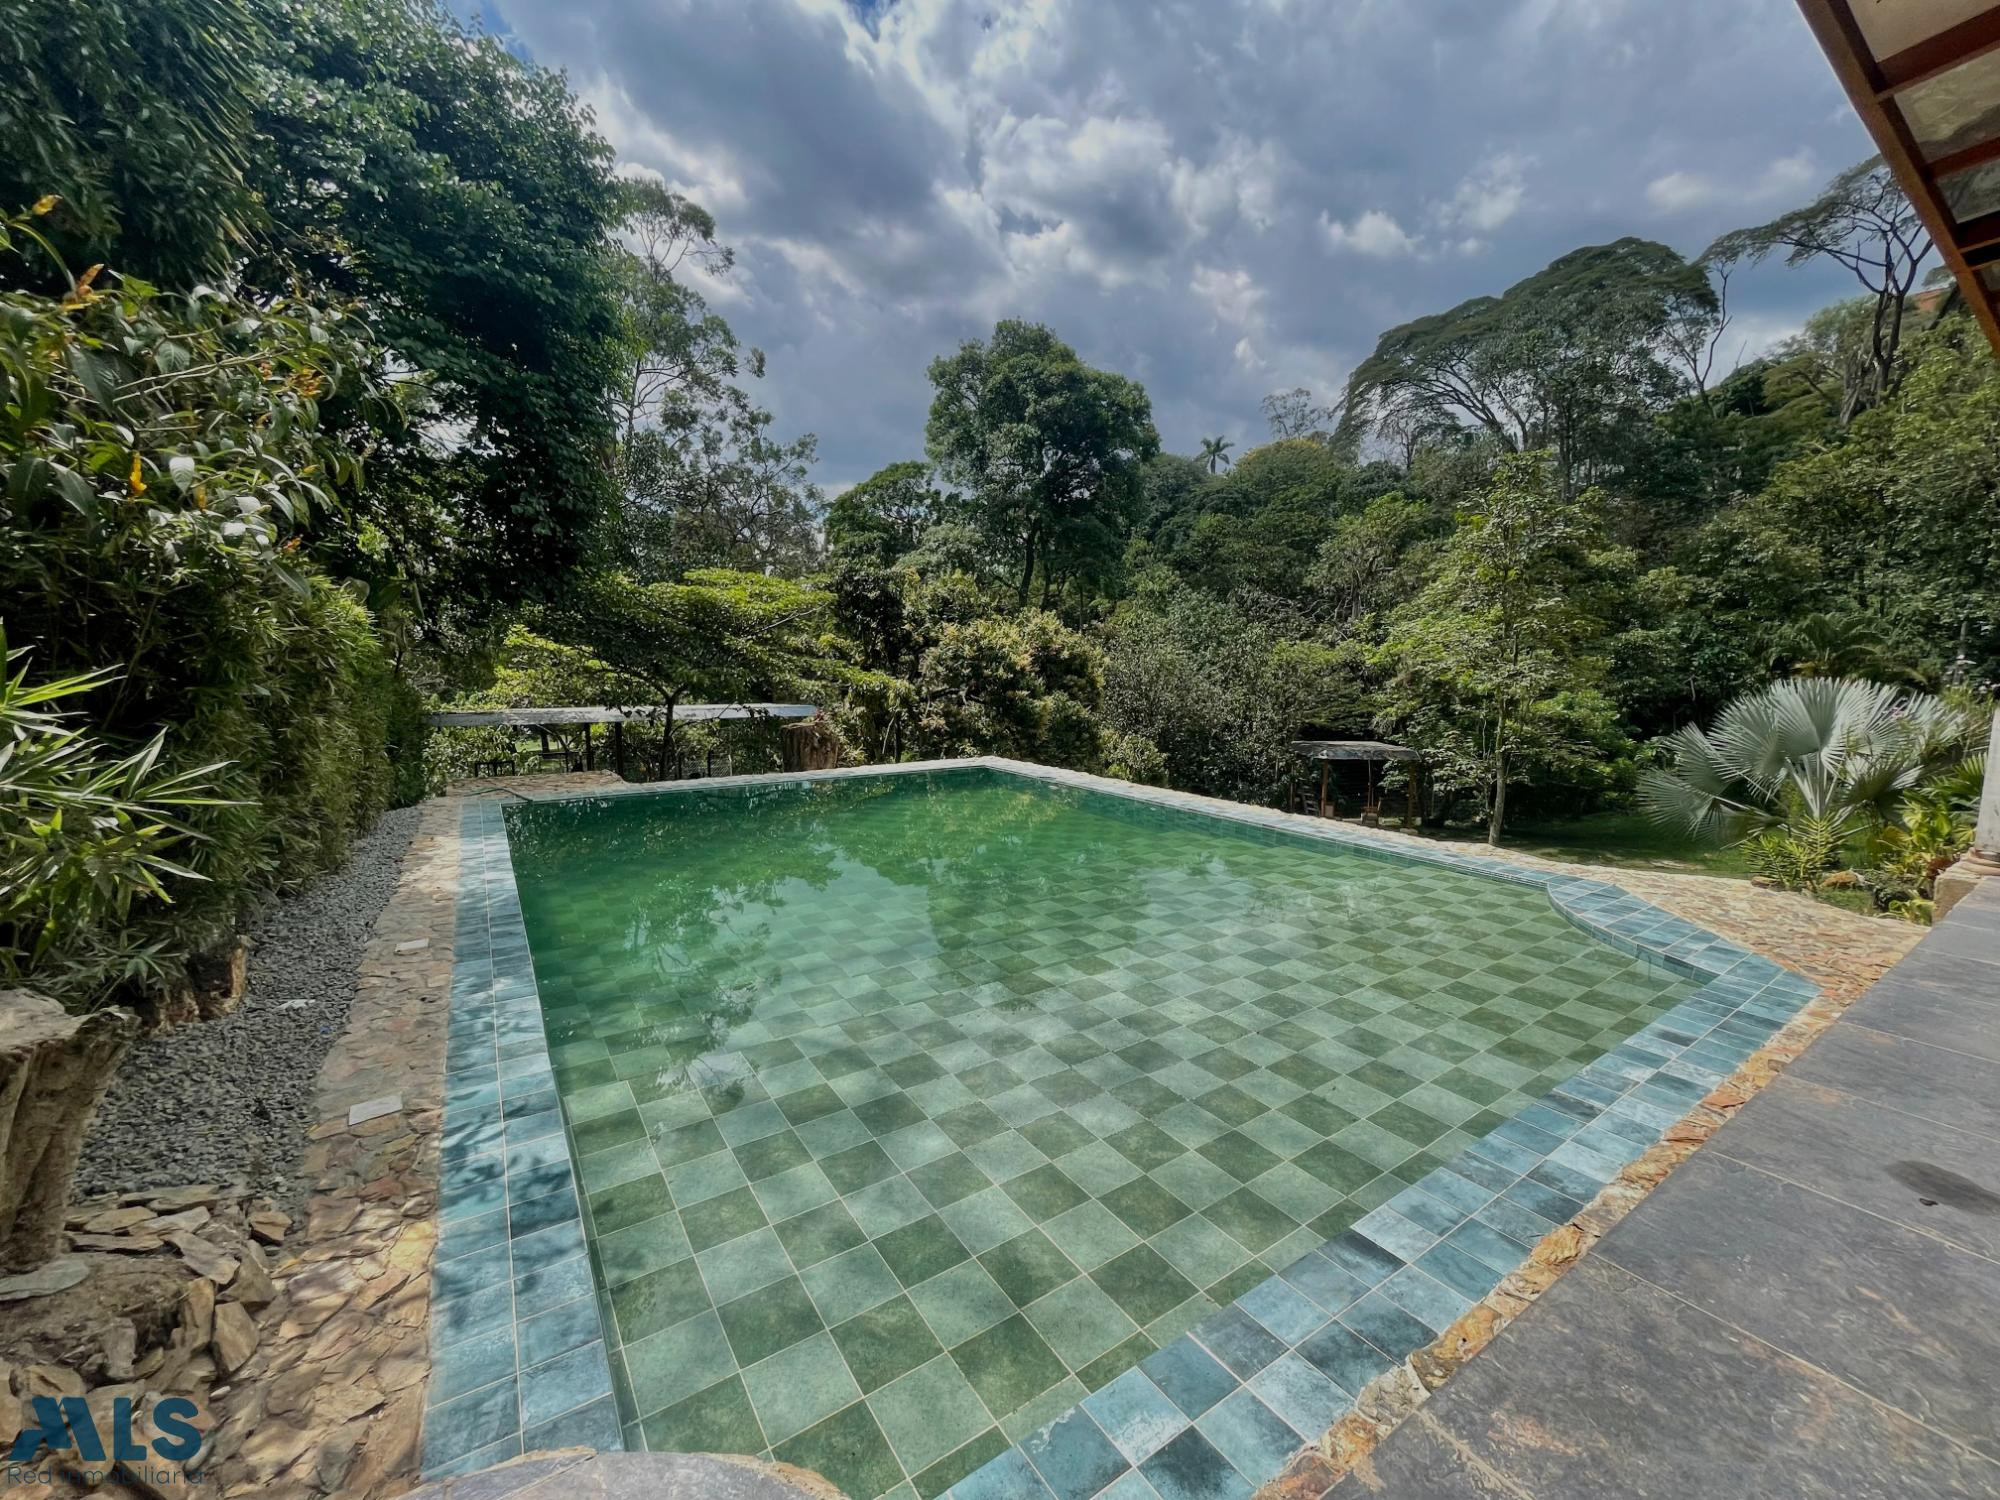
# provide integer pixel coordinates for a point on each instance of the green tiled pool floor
(912, 1110)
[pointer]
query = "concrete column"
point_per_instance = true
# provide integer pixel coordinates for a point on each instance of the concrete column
(1984, 860)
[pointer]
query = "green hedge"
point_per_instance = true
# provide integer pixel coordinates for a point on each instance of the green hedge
(163, 470)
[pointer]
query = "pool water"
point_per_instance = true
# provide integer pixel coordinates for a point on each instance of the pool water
(912, 1110)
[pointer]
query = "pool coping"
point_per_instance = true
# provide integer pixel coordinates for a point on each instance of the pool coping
(531, 1370)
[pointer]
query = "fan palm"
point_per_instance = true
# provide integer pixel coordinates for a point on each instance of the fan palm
(1823, 645)
(1215, 452)
(1834, 752)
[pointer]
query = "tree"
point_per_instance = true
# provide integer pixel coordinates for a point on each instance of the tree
(1834, 354)
(1221, 694)
(887, 514)
(1801, 766)
(703, 482)
(1373, 559)
(137, 117)
(1049, 450)
(1900, 520)
(1862, 221)
(719, 494)
(1026, 687)
(1296, 414)
(1215, 452)
(1576, 358)
(682, 356)
(461, 197)
(1503, 633)
(720, 636)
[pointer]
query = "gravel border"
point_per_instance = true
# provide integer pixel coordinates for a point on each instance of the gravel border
(231, 1100)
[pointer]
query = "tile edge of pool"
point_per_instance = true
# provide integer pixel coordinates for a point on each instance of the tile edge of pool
(503, 1131)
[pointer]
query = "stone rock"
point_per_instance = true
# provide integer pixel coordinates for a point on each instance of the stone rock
(197, 1195)
(270, 1226)
(271, 1448)
(375, 1109)
(1392, 1396)
(120, 1342)
(58, 1275)
(205, 1258)
(198, 1311)
(47, 1380)
(335, 1459)
(235, 1337)
(161, 1478)
(112, 1220)
(188, 1220)
(251, 1285)
(197, 1376)
(117, 1244)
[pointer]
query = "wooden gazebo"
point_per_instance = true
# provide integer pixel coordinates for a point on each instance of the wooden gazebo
(1371, 754)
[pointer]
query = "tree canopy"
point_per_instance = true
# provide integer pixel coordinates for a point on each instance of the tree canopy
(1048, 450)
(1567, 359)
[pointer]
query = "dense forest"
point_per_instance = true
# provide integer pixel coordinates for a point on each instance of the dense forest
(346, 375)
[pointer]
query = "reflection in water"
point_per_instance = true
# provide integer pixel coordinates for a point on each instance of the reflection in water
(672, 931)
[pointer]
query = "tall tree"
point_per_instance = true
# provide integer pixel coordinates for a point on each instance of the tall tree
(137, 116)
(887, 514)
(728, 637)
(1215, 452)
(461, 197)
(1574, 359)
(1296, 413)
(703, 480)
(1862, 221)
(1506, 626)
(1050, 451)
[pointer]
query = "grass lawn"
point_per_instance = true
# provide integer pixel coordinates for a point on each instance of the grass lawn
(1633, 841)
(1627, 839)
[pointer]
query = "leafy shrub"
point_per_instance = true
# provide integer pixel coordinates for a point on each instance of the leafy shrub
(1932, 829)
(1800, 854)
(86, 835)
(1829, 749)
(1027, 687)
(162, 464)
(1133, 757)
(1220, 696)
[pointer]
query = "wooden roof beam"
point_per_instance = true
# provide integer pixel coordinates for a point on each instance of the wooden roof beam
(1939, 54)
(1840, 37)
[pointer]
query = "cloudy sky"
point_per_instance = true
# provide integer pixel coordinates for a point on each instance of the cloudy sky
(1219, 197)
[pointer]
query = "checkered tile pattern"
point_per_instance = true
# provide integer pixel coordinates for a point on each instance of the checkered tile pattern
(956, 1129)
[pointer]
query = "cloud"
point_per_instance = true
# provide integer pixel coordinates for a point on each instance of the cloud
(1235, 297)
(1487, 199)
(1789, 179)
(1217, 197)
(1373, 233)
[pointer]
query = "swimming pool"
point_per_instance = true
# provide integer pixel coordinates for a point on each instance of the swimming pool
(966, 1128)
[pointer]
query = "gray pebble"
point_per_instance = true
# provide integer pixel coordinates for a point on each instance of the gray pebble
(231, 1100)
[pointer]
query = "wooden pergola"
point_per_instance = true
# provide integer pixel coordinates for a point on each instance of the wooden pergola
(542, 720)
(1924, 75)
(1371, 753)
